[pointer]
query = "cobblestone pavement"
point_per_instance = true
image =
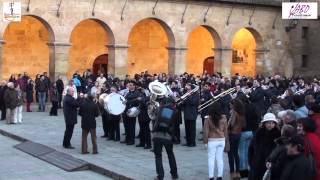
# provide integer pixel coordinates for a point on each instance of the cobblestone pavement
(126, 160)
(17, 165)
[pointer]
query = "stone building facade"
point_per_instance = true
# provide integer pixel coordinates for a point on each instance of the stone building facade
(137, 35)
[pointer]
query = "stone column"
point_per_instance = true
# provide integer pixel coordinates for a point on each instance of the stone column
(118, 57)
(263, 66)
(226, 61)
(217, 59)
(177, 60)
(59, 59)
(1, 57)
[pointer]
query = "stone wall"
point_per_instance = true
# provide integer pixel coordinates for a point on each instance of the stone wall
(178, 20)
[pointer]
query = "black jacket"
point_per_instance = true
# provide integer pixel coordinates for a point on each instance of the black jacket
(29, 93)
(60, 86)
(70, 106)
(278, 158)
(257, 98)
(190, 107)
(296, 168)
(88, 111)
(206, 96)
(260, 148)
(2, 91)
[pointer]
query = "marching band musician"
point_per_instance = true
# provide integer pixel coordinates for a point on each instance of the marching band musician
(256, 96)
(114, 125)
(133, 98)
(178, 117)
(143, 118)
(104, 113)
(206, 95)
(190, 110)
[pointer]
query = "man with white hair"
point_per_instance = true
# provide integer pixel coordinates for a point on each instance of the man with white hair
(3, 88)
(11, 102)
(70, 106)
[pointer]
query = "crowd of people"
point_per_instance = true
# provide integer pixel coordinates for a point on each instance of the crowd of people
(268, 126)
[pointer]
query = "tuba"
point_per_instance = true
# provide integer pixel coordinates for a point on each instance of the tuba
(156, 89)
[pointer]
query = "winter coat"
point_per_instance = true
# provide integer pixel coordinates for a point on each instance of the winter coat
(314, 141)
(257, 98)
(29, 93)
(43, 86)
(316, 118)
(2, 91)
(54, 96)
(260, 148)
(296, 168)
(11, 98)
(88, 111)
(70, 106)
(278, 158)
(60, 86)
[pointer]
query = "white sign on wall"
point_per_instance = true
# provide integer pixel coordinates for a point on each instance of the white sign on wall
(300, 10)
(12, 11)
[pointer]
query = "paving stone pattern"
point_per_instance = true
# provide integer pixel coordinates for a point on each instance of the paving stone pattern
(126, 160)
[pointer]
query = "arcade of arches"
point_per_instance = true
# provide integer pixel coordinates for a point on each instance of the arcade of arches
(148, 44)
(25, 48)
(243, 53)
(200, 46)
(89, 41)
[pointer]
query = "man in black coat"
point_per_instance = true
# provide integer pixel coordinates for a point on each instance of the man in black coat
(133, 98)
(190, 110)
(257, 96)
(89, 111)
(3, 87)
(70, 106)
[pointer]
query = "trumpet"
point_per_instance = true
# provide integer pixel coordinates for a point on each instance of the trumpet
(215, 99)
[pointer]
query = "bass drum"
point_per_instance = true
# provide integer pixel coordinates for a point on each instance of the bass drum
(114, 104)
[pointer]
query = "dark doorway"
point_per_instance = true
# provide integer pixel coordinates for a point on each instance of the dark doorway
(208, 65)
(100, 64)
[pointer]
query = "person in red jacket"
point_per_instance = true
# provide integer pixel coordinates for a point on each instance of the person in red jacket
(315, 116)
(307, 127)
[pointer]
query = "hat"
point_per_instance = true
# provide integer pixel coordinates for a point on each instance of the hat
(269, 117)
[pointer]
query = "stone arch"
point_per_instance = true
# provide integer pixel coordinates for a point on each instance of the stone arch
(27, 47)
(247, 52)
(202, 42)
(89, 39)
(151, 47)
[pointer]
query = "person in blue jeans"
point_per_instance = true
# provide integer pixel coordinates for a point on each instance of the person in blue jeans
(42, 91)
(252, 122)
(236, 123)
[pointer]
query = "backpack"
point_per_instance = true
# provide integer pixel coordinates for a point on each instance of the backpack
(312, 170)
(164, 120)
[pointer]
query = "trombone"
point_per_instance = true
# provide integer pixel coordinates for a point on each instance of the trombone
(215, 99)
(187, 95)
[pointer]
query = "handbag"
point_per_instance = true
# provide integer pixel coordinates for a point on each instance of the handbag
(312, 171)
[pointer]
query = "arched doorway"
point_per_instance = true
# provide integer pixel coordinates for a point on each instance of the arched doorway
(100, 64)
(244, 53)
(26, 47)
(200, 44)
(148, 41)
(208, 65)
(89, 39)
